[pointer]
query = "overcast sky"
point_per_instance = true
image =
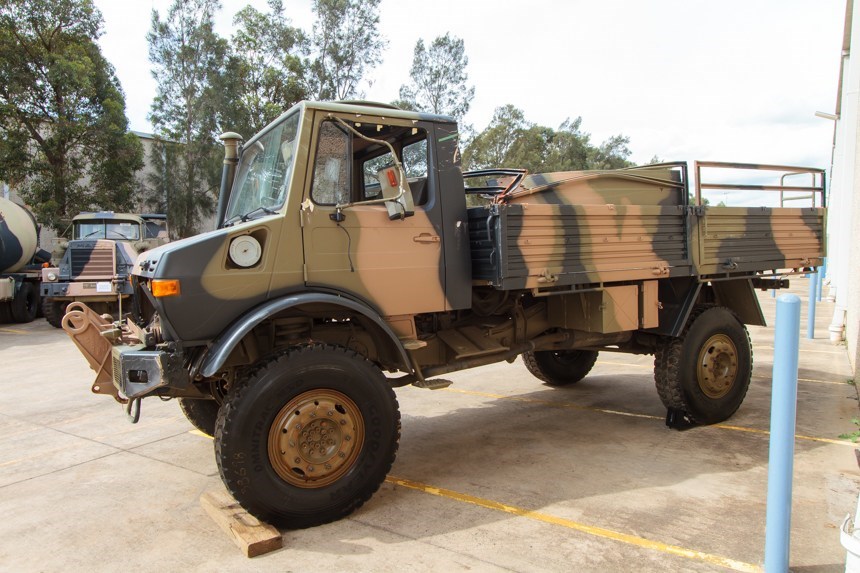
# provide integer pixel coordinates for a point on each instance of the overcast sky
(684, 79)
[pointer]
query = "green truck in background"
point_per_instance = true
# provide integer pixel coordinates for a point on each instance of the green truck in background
(94, 266)
(347, 263)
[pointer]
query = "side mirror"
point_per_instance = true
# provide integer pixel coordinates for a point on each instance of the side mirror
(395, 190)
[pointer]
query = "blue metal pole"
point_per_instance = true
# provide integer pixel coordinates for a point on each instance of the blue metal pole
(773, 293)
(810, 315)
(783, 410)
(822, 273)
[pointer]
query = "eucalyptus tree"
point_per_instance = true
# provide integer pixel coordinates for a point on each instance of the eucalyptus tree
(188, 60)
(65, 144)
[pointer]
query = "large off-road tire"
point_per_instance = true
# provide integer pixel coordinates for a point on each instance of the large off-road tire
(308, 436)
(560, 367)
(25, 305)
(705, 372)
(201, 413)
(54, 311)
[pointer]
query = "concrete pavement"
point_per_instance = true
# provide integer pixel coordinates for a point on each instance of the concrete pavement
(496, 473)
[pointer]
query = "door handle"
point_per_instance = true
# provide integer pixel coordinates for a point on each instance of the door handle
(427, 238)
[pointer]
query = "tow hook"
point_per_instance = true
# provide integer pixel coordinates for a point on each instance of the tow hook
(132, 410)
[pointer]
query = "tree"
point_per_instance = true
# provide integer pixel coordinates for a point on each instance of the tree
(492, 147)
(264, 70)
(345, 45)
(611, 154)
(568, 148)
(188, 63)
(439, 78)
(512, 141)
(66, 144)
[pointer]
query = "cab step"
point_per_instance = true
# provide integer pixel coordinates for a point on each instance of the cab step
(434, 384)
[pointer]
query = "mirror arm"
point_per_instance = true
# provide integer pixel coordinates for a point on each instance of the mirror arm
(341, 206)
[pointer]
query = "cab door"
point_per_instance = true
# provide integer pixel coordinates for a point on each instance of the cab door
(395, 265)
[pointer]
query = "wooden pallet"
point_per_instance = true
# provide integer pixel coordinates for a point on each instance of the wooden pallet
(251, 535)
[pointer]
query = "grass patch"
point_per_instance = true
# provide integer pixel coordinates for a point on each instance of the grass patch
(853, 435)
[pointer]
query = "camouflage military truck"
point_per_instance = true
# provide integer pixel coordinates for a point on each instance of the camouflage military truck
(20, 263)
(94, 265)
(348, 264)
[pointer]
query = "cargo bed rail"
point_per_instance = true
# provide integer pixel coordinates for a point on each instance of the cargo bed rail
(817, 187)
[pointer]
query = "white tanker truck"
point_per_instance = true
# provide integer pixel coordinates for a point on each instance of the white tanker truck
(20, 263)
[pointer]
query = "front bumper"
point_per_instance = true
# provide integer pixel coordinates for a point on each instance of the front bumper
(138, 372)
(86, 290)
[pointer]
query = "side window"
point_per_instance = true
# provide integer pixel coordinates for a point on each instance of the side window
(331, 171)
(414, 158)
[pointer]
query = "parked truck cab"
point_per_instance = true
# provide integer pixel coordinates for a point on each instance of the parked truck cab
(347, 264)
(94, 266)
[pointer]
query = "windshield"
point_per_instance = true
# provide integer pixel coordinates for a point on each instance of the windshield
(265, 170)
(99, 229)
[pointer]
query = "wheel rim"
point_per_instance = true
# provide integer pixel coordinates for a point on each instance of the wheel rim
(717, 366)
(316, 438)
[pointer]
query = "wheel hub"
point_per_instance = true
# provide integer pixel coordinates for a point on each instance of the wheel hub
(717, 367)
(316, 438)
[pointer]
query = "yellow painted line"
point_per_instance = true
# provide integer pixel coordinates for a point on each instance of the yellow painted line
(551, 403)
(14, 331)
(802, 350)
(796, 436)
(812, 380)
(581, 527)
(650, 367)
(635, 415)
(201, 434)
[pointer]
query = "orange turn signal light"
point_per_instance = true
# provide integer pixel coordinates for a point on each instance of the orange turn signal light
(162, 287)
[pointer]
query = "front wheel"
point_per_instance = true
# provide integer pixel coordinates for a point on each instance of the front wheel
(706, 371)
(54, 310)
(560, 367)
(202, 413)
(25, 305)
(308, 436)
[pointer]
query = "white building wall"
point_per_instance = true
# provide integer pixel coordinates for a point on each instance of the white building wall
(844, 206)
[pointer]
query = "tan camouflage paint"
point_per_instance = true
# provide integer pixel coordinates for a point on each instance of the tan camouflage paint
(616, 226)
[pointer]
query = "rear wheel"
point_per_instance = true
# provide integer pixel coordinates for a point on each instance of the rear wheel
(54, 311)
(25, 305)
(706, 371)
(308, 436)
(560, 367)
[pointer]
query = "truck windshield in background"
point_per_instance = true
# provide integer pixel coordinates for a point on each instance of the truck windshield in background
(111, 229)
(265, 170)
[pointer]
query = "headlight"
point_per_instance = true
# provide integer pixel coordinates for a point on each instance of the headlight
(52, 276)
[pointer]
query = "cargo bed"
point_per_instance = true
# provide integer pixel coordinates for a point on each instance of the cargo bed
(538, 237)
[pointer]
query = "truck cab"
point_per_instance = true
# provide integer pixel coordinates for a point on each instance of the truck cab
(94, 265)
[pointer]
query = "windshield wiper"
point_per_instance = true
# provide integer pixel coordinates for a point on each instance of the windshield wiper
(248, 216)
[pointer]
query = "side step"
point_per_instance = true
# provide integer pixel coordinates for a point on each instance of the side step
(434, 384)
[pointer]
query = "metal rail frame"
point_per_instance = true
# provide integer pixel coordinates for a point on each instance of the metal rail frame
(788, 170)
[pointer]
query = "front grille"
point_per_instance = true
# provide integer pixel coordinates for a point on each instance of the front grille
(117, 371)
(96, 262)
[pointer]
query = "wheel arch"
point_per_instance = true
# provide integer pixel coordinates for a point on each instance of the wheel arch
(679, 296)
(221, 348)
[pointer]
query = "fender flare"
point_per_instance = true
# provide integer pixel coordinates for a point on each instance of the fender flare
(222, 346)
